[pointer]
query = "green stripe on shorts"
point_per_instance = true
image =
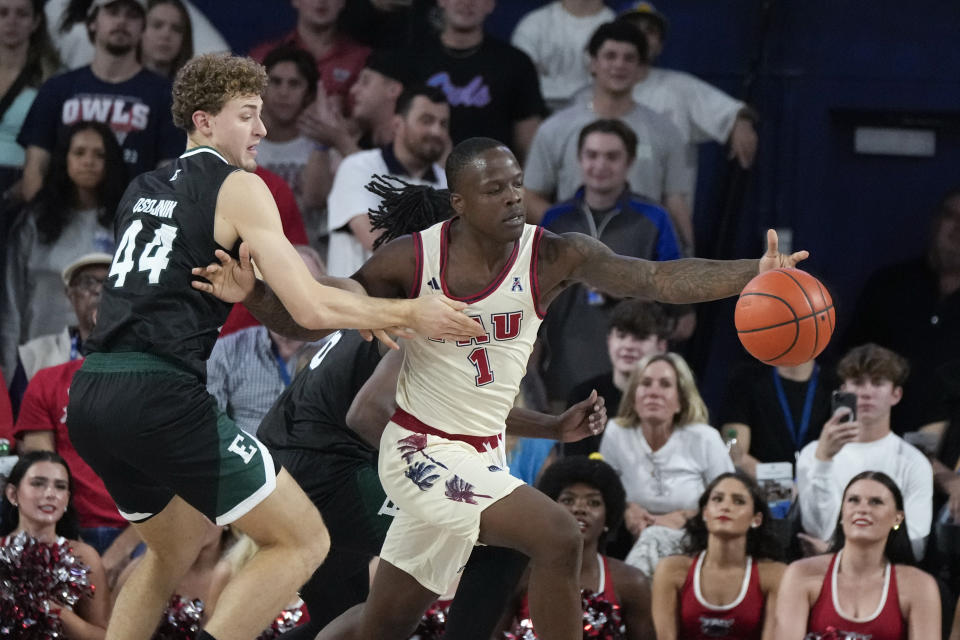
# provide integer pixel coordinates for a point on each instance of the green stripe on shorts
(131, 361)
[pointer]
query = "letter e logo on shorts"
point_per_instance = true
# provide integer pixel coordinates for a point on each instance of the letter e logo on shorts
(244, 452)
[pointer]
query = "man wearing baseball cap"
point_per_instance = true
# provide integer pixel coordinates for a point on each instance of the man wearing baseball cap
(372, 98)
(700, 111)
(646, 11)
(82, 281)
(114, 89)
(375, 94)
(96, 4)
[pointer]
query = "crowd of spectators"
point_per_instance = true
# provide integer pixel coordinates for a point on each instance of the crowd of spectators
(609, 143)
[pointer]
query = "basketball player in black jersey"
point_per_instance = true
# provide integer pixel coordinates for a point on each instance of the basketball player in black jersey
(139, 413)
(486, 194)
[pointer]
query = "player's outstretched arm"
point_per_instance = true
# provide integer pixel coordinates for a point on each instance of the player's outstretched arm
(575, 257)
(246, 209)
(235, 281)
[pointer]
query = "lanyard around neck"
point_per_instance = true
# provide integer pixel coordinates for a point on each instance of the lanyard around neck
(281, 365)
(75, 346)
(595, 231)
(798, 435)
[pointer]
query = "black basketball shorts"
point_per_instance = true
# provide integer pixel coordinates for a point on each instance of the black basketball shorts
(150, 430)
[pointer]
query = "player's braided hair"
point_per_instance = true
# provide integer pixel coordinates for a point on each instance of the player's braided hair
(405, 208)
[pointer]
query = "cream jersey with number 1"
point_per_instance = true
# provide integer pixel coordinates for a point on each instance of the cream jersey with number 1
(469, 387)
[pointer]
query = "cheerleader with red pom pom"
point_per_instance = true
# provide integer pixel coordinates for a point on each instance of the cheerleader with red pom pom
(615, 596)
(53, 585)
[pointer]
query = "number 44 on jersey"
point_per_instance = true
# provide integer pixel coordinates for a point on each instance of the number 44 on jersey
(154, 256)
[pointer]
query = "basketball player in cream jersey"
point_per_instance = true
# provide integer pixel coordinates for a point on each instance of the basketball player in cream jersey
(441, 457)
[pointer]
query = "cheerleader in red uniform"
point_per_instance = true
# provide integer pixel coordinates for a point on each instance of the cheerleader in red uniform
(616, 596)
(729, 578)
(868, 589)
(36, 502)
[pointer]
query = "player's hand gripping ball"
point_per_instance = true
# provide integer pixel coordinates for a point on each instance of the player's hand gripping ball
(784, 317)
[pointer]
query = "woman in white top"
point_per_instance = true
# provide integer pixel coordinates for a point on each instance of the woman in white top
(661, 445)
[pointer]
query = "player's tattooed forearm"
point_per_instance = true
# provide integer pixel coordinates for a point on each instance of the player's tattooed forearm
(699, 280)
(674, 281)
(267, 308)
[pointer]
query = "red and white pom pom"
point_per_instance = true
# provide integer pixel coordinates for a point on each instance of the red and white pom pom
(36, 580)
(181, 620)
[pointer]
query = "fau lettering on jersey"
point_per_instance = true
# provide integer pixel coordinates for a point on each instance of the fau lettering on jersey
(479, 377)
(506, 326)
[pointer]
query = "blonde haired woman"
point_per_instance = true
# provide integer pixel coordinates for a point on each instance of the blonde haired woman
(665, 451)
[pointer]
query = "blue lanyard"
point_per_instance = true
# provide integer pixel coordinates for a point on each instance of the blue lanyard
(281, 366)
(798, 436)
(74, 347)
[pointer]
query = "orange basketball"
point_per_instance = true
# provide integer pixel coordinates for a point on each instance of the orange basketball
(784, 317)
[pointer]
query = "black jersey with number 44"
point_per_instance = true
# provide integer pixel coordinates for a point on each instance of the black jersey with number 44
(164, 228)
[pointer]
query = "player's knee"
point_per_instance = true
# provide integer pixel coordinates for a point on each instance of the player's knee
(562, 537)
(316, 550)
(394, 624)
(312, 543)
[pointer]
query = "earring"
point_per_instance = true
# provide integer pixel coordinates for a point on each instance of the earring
(605, 529)
(754, 525)
(896, 527)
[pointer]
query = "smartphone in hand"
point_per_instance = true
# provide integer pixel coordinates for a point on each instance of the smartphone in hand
(844, 399)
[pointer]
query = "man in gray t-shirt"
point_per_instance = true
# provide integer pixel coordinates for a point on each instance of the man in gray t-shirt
(552, 172)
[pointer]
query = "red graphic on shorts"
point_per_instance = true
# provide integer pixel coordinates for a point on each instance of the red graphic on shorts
(459, 490)
(410, 445)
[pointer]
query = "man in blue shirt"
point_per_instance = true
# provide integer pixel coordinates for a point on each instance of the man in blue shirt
(114, 89)
(574, 339)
